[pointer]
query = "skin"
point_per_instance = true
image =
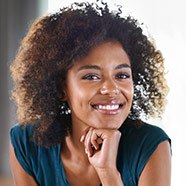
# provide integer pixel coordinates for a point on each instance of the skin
(101, 79)
(99, 90)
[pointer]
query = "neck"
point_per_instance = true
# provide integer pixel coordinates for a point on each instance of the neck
(74, 159)
(73, 146)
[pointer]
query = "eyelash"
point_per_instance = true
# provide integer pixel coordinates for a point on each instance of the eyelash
(97, 77)
(91, 77)
(122, 76)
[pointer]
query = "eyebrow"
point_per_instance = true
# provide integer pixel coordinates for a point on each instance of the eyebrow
(123, 65)
(89, 67)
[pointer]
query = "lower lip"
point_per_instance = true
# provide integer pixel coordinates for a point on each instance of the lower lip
(108, 112)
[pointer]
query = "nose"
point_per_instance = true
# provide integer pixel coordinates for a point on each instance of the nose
(109, 87)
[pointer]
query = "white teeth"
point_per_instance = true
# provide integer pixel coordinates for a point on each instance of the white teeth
(108, 107)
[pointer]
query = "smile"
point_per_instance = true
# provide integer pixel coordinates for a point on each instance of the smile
(108, 109)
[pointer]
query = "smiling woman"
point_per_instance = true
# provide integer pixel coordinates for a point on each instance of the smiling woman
(84, 78)
(106, 71)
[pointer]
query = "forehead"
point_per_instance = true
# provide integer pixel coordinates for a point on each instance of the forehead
(105, 54)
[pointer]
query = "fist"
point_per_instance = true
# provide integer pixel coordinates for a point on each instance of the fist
(101, 147)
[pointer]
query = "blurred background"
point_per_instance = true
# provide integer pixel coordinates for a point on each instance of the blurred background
(15, 18)
(163, 20)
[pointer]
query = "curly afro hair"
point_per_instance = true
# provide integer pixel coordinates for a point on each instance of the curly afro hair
(56, 41)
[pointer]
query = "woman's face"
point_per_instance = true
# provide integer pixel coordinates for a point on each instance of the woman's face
(100, 88)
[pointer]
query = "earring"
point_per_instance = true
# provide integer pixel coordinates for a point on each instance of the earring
(64, 108)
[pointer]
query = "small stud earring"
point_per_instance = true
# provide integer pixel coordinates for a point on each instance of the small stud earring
(64, 108)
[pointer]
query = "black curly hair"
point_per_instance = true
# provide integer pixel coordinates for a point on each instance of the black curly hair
(56, 41)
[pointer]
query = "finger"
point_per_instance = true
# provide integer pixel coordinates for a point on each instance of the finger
(99, 141)
(82, 139)
(88, 144)
(94, 139)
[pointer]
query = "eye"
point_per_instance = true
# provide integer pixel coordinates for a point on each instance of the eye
(91, 77)
(122, 75)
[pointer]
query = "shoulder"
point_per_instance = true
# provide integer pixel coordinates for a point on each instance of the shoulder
(158, 168)
(34, 159)
(23, 142)
(137, 145)
(20, 135)
(143, 133)
(23, 147)
(19, 130)
(143, 138)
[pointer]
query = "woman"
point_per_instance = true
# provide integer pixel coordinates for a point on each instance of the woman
(84, 79)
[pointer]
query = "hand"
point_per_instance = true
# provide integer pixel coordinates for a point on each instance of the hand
(101, 146)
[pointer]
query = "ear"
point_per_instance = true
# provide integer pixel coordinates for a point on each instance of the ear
(64, 95)
(61, 89)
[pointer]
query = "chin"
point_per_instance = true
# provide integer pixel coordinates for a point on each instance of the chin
(111, 126)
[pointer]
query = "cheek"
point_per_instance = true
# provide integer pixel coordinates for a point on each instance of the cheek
(129, 92)
(132, 92)
(76, 96)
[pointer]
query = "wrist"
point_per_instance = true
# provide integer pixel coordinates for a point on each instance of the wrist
(109, 176)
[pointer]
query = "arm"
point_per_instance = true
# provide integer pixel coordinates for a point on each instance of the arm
(110, 177)
(101, 146)
(157, 171)
(19, 175)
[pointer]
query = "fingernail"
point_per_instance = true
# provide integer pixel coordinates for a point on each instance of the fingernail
(86, 152)
(81, 139)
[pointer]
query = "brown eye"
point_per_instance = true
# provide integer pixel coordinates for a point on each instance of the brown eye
(122, 76)
(91, 77)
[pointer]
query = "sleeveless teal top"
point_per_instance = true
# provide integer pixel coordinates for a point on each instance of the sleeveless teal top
(44, 164)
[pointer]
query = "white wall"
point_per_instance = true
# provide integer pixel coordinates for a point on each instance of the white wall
(165, 21)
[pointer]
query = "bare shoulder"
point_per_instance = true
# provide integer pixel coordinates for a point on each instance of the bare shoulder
(20, 176)
(157, 171)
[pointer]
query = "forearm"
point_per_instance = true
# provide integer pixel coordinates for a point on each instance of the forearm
(103, 156)
(110, 177)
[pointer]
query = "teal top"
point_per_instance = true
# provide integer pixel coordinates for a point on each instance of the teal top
(44, 164)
